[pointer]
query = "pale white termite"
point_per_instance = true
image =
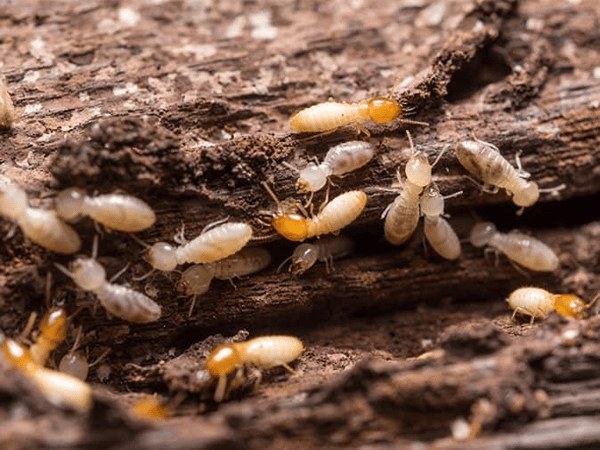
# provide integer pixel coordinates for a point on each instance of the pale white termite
(335, 215)
(439, 233)
(115, 211)
(261, 352)
(340, 159)
(537, 302)
(485, 162)
(196, 279)
(402, 215)
(325, 250)
(123, 302)
(212, 245)
(518, 247)
(42, 226)
(7, 110)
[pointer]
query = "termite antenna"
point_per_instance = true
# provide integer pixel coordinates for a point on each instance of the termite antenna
(456, 194)
(283, 263)
(119, 273)
(439, 156)
(139, 241)
(289, 166)
(64, 270)
(270, 192)
(100, 358)
(214, 224)
(410, 141)
(553, 190)
(143, 277)
(95, 247)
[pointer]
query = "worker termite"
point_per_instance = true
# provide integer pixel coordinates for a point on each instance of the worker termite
(340, 159)
(402, 215)
(485, 162)
(518, 247)
(123, 302)
(58, 388)
(196, 279)
(261, 352)
(52, 333)
(537, 302)
(7, 110)
(335, 215)
(325, 250)
(114, 211)
(330, 116)
(439, 233)
(42, 226)
(212, 245)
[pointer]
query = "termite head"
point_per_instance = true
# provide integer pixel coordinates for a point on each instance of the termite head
(223, 360)
(418, 169)
(432, 203)
(291, 226)
(312, 178)
(195, 280)
(16, 354)
(526, 196)
(54, 325)
(383, 109)
(162, 256)
(482, 233)
(569, 305)
(88, 273)
(69, 203)
(13, 200)
(303, 258)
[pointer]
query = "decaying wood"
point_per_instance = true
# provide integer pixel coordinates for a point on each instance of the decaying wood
(176, 108)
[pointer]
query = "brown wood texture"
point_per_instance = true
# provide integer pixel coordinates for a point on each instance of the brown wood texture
(184, 105)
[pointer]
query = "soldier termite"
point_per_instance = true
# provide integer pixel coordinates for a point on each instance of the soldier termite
(123, 302)
(537, 302)
(115, 211)
(7, 110)
(518, 247)
(402, 215)
(261, 352)
(439, 233)
(196, 279)
(485, 162)
(325, 250)
(335, 215)
(212, 245)
(330, 116)
(42, 226)
(58, 388)
(340, 159)
(52, 332)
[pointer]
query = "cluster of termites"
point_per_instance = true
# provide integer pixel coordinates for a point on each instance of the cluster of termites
(220, 251)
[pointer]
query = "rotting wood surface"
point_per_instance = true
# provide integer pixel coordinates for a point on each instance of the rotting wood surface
(198, 117)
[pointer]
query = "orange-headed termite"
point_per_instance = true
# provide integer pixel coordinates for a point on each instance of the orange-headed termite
(518, 247)
(261, 352)
(537, 302)
(58, 388)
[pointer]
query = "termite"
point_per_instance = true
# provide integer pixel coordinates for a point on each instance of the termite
(340, 159)
(7, 110)
(151, 407)
(330, 116)
(52, 333)
(261, 352)
(115, 211)
(217, 243)
(196, 279)
(42, 226)
(485, 162)
(439, 233)
(402, 215)
(335, 215)
(537, 302)
(58, 388)
(325, 250)
(123, 302)
(518, 247)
